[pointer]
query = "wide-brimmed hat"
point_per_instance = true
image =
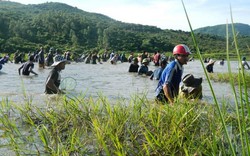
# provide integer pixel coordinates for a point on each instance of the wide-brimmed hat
(145, 60)
(135, 59)
(58, 59)
(190, 81)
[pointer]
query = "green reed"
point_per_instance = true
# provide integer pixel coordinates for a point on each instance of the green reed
(243, 102)
(87, 126)
(209, 82)
(226, 77)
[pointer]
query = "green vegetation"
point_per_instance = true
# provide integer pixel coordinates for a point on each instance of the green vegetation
(27, 27)
(241, 104)
(225, 77)
(220, 30)
(84, 126)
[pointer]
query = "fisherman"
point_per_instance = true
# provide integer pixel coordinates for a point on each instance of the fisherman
(156, 75)
(168, 86)
(3, 61)
(27, 67)
(244, 63)
(41, 59)
(210, 66)
(134, 66)
(54, 78)
(144, 68)
(221, 62)
(191, 87)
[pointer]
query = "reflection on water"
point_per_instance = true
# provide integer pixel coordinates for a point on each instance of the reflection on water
(112, 81)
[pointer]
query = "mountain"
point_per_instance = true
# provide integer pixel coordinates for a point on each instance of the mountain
(220, 30)
(63, 27)
(59, 25)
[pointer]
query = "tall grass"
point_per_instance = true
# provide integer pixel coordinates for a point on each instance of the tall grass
(228, 77)
(243, 102)
(209, 82)
(97, 127)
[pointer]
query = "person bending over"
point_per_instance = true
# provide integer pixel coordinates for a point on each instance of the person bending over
(27, 67)
(168, 86)
(54, 78)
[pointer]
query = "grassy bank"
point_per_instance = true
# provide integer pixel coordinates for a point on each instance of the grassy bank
(226, 77)
(96, 127)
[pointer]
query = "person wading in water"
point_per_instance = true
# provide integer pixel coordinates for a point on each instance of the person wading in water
(54, 78)
(168, 86)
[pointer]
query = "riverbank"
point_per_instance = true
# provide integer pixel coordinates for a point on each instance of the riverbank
(226, 77)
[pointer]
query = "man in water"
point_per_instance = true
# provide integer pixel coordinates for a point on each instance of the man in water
(3, 61)
(191, 87)
(27, 67)
(134, 66)
(156, 75)
(144, 68)
(54, 78)
(210, 66)
(41, 59)
(168, 86)
(244, 63)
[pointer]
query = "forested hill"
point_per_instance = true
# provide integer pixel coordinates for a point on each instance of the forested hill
(27, 27)
(220, 30)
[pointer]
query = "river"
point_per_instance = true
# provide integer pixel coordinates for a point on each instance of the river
(112, 81)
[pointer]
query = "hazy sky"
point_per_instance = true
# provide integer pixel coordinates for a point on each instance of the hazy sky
(165, 14)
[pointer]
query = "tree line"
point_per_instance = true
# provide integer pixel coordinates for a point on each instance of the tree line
(27, 27)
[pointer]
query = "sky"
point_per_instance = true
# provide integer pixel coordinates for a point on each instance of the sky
(164, 14)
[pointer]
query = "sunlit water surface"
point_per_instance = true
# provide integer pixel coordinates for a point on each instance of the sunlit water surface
(111, 81)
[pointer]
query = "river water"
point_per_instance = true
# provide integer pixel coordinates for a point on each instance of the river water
(112, 81)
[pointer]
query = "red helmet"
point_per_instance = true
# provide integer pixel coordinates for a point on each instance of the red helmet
(181, 49)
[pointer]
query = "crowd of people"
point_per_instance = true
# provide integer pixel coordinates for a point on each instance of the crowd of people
(168, 72)
(168, 88)
(210, 64)
(53, 59)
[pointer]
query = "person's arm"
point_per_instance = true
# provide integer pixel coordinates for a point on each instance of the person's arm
(31, 70)
(247, 65)
(19, 70)
(168, 94)
(140, 71)
(151, 76)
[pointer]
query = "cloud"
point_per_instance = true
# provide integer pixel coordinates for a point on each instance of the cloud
(166, 14)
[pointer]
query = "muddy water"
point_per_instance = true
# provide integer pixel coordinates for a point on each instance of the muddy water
(112, 81)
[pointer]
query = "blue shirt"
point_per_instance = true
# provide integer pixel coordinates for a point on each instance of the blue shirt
(157, 73)
(171, 75)
(3, 60)
(143, 70)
